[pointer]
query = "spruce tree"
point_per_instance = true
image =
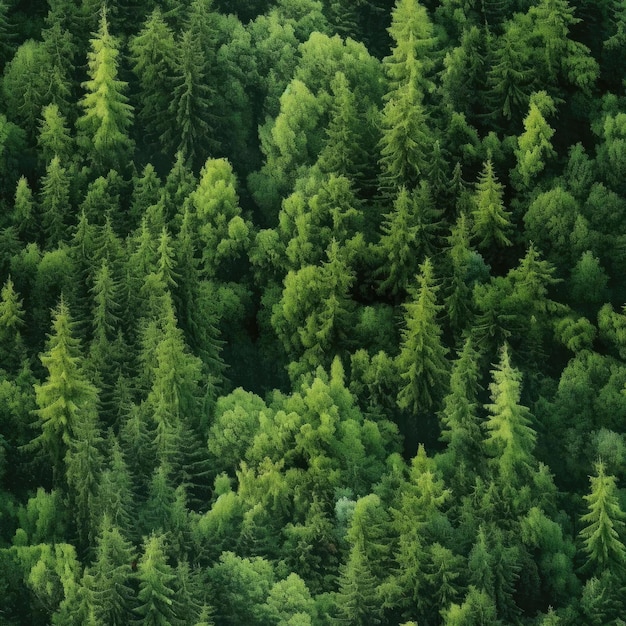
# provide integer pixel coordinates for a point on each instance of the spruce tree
(66, 398)
(54, 137)
(422, 360)
(113, 593)
(103, 128)
(55, 202)
(511, 438)
(190, 131)
(491, 221)
(605, 523)
(157, 595)
(153, 54)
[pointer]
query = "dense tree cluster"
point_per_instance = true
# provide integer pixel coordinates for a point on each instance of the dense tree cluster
(312, 312)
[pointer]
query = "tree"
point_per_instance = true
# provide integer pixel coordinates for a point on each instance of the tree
(191, 127)
(26, 85)
(103, 128)
(491, 221)
(66, 398)
(409, 233)
(112, 576)
(23, 217)
(534, 145)
(153, 54)
(405, 140)
(55, 202)
(422, 360)
(357, 601)
(12, 323)
(54, 137)
(461, 428)
(511, 438)
(157, 595)
(412, 55)
(603, 533)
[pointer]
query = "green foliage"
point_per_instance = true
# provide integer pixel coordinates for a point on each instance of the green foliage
(103, 127)
(422, 364)
(604, 525)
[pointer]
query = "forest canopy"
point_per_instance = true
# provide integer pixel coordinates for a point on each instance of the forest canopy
(313, 312)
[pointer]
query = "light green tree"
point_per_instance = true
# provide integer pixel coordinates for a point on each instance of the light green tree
(422, 360)
(66, 398)
(103, 127)
(603, 533)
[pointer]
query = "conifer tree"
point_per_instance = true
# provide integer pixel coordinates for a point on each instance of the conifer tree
(12, 323)
(534, 145)
(103, 128)
(511, 438)
(460, 422)
(54, 137)
(24, 218)
(55, 198)
(605, 524)
(83, 465)
(6, 34)
(411, 58)
(422, 360)
(66, 398)
(157, 599)
(146, 192)
(115, 498)
(190, 131)
(113, 595)
(357, 599)
(405, 141)
(491, 221)
(343, 152)
(153, 52)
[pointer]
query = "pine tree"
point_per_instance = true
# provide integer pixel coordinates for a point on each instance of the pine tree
(83, 465)
(190, 131)
(153, 52)
(356, 601)
(491, 221)
(146, 192)
(55, 202)
(405, 141)
(113, 594)
(66, 398)
(23, 217)
(534, 145)
(459, 418)
(157, 600)
(411, 57)
(12, 350)
(422, 360)
(103, 129)
(54, 137)
(603, 534)
(511, 438)
(343, 152)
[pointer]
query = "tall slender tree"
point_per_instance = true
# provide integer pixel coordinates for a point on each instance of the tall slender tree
(103, 128)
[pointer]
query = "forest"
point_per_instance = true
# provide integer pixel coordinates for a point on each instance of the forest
(312, 312)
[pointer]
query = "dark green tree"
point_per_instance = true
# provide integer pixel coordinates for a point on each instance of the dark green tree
(55, 202)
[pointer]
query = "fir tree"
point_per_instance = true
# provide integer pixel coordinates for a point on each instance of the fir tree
(66, 398)
(491, 221)
(103, 129)
(604, 528)
(55, 198)
(422, 360)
